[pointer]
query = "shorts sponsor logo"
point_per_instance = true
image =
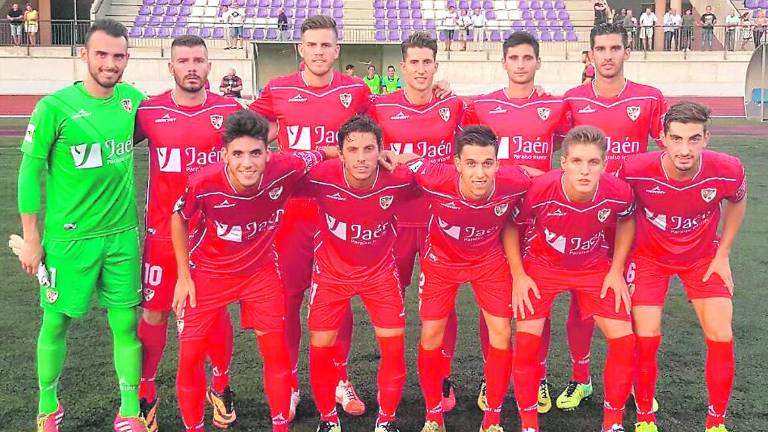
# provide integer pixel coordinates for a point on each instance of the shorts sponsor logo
(633, 112)
(543, 113)
(127, 105)
(603, 214)
(217, 120)
(276, 192)
(587, 110)
(708, 194)
(386, 201)
(346, 99)
(224, 204)
(445, 113)
(149, 294)
(51, 295)
(166, 119)
(169, 159)
(497, 110)
(500, 209)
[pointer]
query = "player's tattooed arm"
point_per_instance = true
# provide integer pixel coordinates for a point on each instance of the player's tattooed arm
(614, 279)
(184, 285)
(733, 216)
(521, 282)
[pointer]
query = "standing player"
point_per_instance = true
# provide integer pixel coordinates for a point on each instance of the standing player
(680, 192)
(82, 136)
(184, 129)
(416, 121)
(628, 113)
(470, 203)
(232, 259)
(569, 211)
(353, 256)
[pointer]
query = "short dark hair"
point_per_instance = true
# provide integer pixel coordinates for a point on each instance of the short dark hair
(371, 66)
(349, 67)
(188, 41)
(687, 112)
(390, 66)
(521, 38)
(319, 22)
(108, 26)
(477, 135)
(584, 135)
(361, 124)
(419, 39)
(608, 29)
(245, 123)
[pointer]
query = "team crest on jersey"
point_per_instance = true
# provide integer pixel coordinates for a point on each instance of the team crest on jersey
(51, 295)
(217, 120)
(149, 294)
(346, 99)
(633, 112)
(127, 105)
(543, 113)
(276, 192)
(501, 209)
(603, 214)
(445, 113)
(386, 201)
(180, 326)
(708, 194)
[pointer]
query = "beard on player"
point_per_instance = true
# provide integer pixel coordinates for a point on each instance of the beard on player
(106, 57)
(683, 144)
(609, 55)
(190, 67)
(360, 156)
(319, 49)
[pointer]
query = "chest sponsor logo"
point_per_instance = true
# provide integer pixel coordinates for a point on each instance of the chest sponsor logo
(554, 240)
(450, 230)
(445, 113)
(165, 119)
(708, 194)
(217, 120)
(276, 192)
(497, 110)
(500, 209)
(587, 110)
(386, 201)
(658, 220)
(87, 155)
(543, 113)
(655, 190)
(633, 112)
(603, 214)
(297, 98)
(399, 116)
(233, 233)
(169, 159)
(127, 105)
(224, 204)
(346, 99)
(300, 137)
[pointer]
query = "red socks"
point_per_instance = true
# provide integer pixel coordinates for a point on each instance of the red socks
(391, 378)
(277, 370)
(190, 382)
(431, 374)
(527, 375)
(579, 341)
(645, 380)
(344, 343)
(153, 338)
(617, 378)
(323, 377)
(719, 371)
(220, 351)
(293, 332)
(546, 336)
(498, 369)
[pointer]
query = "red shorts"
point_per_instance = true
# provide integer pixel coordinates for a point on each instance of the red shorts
(409, 242)
(381, 296)
(158, 274)
(651, 280)
(294, 242)
(585, 286)
(260, 294)
(439, 283)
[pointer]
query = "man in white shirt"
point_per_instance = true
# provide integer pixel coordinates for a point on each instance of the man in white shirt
(450, 22)
(227, 27)
(677, 21)
(647, 21)
(236, 19)
(479, 24)
(465, 25)
(732, 22)
(669, 29)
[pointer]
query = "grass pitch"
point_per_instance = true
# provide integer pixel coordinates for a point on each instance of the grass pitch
(88, 387)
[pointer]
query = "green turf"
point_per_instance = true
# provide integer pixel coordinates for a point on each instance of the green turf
(88, 387)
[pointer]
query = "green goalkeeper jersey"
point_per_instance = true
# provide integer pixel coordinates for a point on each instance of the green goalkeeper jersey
(88, 145)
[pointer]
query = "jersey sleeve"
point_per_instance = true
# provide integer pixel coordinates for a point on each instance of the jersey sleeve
(657, 120)
(470, 115)
(522, 214)
(629, 196)
(738, 189)
(42, 131)
(264, 104)
(188, 204)
(426, 173)
(306, 160)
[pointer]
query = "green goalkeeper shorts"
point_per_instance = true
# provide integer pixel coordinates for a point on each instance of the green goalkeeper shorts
(109, 265)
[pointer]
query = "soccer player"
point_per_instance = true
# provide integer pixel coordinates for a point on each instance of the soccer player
(568, 212)
(628, 113)
(681, 192)
(184, 129)
(353, 257)
(231, 258)
(528, 125)
(82, 138)
(415, 120)
(469, 204)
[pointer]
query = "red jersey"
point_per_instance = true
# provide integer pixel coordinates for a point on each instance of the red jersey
(627, 119)
(677, 220)
(526, 127)
(464, 231)
(356, 232)
(239, 228)
(571, 235)
(427, 130)
(310, 117)
(182, 140)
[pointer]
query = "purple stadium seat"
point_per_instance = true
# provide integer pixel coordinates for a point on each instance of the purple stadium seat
(188, 2)
(154, 21)
(378, 4)
(296, 33)
(172, 11)
(181, 21)
(749, 4)
(140, 21)
(271, 34)
(174, 2)
(416, 13)
(326, 12)
(179, 31)
(392, 13)
(430, 24)
(326, 4)
(393, 35)
(263, 3)
(380, 37)
(571, 36)
(240, 2)
(558, 36)
(150, 32)
(524, 4)
(451, 3)
(206, 32)
(539, 14)
(314, 3)
(262, 13)
(165, 32)
(161, 2)
(560, 4)
(301, 4)
(402, 4)
(148, 2)
(546, 36)
(338, 4)
(476, 4)
(301, 13)
(378, 24)
(763, 4)
(567, 25)
(195, 31)
(391, 4)
(535, 4)
(250, 12)
(487, 4)
(258, 34)
(158, 10)
(551, 14)
(405, 24)
(405, 34)
(276, 3)
(392, 24)
(563, 15)
(185, 11)
(496, 36)
(490, 15)
(289, 4)
(463, 4)
(418, 24)
(135, 32)
(144, 10)
(527, 15)
(338, 13)
(218, 33)
(517, 26)
(312, 12)
(404, 13)
(168, 21)
(415, 4)
(547, 4)
(299, 21)
(289, 13)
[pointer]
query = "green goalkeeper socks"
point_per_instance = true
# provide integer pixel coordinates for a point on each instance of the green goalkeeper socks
(51, 351)
(127, 351)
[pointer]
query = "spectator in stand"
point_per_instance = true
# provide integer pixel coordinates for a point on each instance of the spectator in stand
(647, 21)
(282, 25)
(746, 29)
(350, 70)
(31, 24)
(630, 25)
(16, 20)
(231, 84)
(479, 23)
(391, 82)
(619, 17)
(708, 21)
(669, 29)
(588, 74)
(450, 22)
(600, 8)
(373, 80)
(465, 25)
(224, 20)
(236, 19)
(732, 22)
(686, 38)
(677, 21)
(760, 27)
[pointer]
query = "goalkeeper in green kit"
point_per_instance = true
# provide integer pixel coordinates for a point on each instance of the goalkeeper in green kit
(81, 137)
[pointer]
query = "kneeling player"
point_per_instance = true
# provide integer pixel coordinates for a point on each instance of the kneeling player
(568, 211)
(680, 191)
(232, 259)
(469, 207)
(353, 256)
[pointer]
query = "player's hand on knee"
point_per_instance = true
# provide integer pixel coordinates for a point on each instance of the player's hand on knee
(185, 288)
(616, 282)
(721, 265)
(522, 285)
(30, 253)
